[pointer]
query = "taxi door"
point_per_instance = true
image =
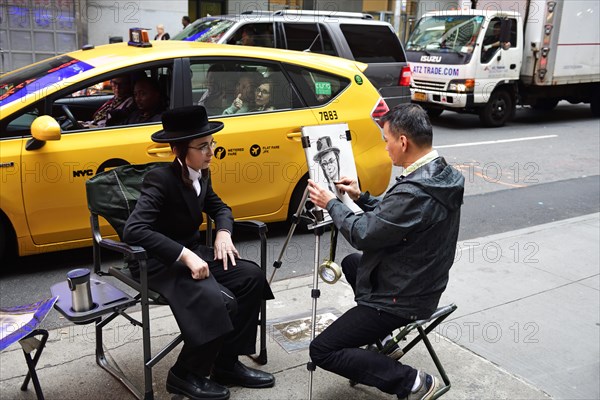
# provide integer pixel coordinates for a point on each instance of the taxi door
(53, 173)
(259, 157)
(54, 176)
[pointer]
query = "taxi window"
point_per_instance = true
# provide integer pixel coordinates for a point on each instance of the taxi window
(19, 123)
(317, 87)
(122, 98)
(14, 86)
(228, 87)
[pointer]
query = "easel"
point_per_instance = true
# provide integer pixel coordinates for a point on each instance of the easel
(318, 229)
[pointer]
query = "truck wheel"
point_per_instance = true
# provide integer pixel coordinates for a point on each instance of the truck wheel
(545, 104)
(498, 110)
(433, 112)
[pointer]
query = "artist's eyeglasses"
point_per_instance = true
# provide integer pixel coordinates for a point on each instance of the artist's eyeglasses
(205, 147)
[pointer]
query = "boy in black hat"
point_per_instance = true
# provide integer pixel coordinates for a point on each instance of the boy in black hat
(216, 305)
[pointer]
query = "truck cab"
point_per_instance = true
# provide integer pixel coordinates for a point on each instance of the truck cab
(459, 62)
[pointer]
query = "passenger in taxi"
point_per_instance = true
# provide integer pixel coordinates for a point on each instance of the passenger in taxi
(214, 98)
(148, 100)
(245, 94)
(122, 102)
(263, 97)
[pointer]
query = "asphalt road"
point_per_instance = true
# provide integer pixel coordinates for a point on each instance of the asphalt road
(540, 168)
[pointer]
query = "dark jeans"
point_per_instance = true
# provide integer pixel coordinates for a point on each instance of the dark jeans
(338, 350)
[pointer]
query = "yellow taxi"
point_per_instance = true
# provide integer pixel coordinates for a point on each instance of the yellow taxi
(51, 143)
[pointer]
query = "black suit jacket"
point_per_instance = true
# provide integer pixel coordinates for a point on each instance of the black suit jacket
(168, 215)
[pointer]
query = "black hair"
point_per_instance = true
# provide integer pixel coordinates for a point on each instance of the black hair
(186, 18)
(411, 120)
(153, 83)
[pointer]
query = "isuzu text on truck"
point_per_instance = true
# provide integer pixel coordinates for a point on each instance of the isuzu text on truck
(492, 55)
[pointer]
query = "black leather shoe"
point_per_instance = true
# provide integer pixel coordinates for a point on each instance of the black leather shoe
(241, 375)
(196, 388)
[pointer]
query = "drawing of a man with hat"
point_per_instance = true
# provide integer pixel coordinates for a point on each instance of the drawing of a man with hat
(328, 158)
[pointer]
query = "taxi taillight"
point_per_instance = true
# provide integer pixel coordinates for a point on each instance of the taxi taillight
(380, 110)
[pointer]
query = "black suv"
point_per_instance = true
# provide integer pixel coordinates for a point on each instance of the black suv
(354, 36)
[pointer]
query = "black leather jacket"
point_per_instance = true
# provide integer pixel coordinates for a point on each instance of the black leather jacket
(408, 239)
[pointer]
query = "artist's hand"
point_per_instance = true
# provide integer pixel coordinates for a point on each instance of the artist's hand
(224, 248)
(318, 195)
(349, 186)
(198, 266)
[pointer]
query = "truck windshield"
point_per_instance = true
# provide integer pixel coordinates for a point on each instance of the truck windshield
(456, 33)
(205, 30)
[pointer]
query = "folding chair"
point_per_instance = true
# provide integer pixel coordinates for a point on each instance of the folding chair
(423, 327)
(20, 324)
(113, 195)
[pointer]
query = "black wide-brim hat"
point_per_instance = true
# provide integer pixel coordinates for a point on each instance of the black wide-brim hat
(185, 123)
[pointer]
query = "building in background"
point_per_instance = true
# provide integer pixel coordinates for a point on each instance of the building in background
(32, 30)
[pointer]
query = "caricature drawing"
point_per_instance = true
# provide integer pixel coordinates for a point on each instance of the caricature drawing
(329, 157)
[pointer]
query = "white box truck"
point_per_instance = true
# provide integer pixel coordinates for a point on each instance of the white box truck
(489, 56)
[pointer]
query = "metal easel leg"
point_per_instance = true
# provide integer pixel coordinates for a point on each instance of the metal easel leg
(315, 294)
(295, 218)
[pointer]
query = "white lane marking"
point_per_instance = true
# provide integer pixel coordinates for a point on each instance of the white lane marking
(495, 141)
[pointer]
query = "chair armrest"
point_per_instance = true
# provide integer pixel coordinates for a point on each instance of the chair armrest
(133, 252)
(251, 226)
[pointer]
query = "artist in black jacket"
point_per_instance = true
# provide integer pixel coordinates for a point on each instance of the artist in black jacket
(408, 242)
(214, 295)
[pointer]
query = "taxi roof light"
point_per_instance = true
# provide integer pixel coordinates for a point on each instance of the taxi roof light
(139, 37)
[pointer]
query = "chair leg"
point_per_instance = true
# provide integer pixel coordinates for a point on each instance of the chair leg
(261, 358)
(437, 363)
(32, 362)
(111, 367)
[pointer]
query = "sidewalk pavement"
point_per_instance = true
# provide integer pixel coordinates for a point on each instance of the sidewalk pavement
(526, 328)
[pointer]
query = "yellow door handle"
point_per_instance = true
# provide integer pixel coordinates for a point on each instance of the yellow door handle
(160, 151)
(294, 135)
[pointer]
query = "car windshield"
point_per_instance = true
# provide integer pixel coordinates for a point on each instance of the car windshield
(16, 85)
(205, 30)
(457, 33)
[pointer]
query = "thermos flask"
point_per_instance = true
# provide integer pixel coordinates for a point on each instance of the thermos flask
(81, 294)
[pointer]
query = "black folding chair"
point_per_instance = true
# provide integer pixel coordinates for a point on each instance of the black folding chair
(423, 327)
(113, 195)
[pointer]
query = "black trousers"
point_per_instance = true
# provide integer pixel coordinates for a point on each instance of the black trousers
(195, 304)
(337, 348)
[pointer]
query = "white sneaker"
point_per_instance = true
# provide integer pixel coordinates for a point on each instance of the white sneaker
(425, 391)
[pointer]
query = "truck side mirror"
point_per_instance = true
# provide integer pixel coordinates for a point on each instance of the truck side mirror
(505, 30)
